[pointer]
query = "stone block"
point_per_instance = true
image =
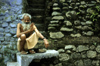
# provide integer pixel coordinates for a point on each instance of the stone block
(7, 38)
(66, 29)
(13, 64)
(56, 8)
(8, 19)
(1, 34)
(68, 23)
(70, 47)
(1, 30)
(0, 21)
(90, 5)
(58, 18)
(75, 35)
(90, 33)
(91, 54)
(64, 57)
(19, 1)
(13, 30)
(87, 62)
(8, 35)
(79, 63)
(54, 22)
(77, 22)
(12, 42)
(89, 22)
(2, 12)
(25, 60)
(13, 39)
(5, 43)
(0, 25)
(12, 25)
(53, 25)
(98, 48)
(7, 29)
(51, 28)
(81, 48)
(83, 2)
(0, 55)
(1, 38)
(56, 13)
(56, 34)
(5, 25)
(76, 55)
(55, 4)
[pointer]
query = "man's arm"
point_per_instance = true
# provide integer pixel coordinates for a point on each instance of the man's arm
(41, 36)
(38, 33)
(19, 33)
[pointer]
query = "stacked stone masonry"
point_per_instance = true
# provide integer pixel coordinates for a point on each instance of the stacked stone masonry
(75, 18)
(10, 13)
(72, 26)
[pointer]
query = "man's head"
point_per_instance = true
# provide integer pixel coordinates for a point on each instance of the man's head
(26, 21)
(26, 18)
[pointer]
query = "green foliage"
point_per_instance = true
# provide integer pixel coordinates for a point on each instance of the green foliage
(95, 43)
(95, 13)
(78, 13)
(98, 7)
(94, 16)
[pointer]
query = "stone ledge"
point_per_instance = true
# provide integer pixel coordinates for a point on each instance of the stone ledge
(25, 60)
(13, 64)
(82, 40)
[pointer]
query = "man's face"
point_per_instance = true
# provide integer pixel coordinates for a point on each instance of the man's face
(26, 19)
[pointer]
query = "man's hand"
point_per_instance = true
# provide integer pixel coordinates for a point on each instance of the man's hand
(32, 27)
(46, 43)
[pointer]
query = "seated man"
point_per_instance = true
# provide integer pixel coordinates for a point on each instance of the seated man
(28, 35)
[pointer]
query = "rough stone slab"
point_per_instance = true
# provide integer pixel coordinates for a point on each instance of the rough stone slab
(13, 64)
(56, 35)
(82, 40)
(25, 60)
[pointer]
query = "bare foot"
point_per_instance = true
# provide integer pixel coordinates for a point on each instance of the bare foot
(31, 51)
(23, 52)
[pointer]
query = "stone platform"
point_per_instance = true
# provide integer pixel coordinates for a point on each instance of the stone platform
(25, 60)
(13, 64)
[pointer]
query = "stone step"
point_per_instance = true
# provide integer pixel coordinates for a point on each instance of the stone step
(36, 11)
(25, 60)
(38, 19)
(40, 27)
(39, 6)
(13, 64)
(36, 1)
(44, 33)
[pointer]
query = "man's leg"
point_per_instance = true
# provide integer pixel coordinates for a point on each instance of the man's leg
(31, 42)
(22, 43)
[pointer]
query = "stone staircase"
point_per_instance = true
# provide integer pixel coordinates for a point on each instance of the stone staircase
(37, 10)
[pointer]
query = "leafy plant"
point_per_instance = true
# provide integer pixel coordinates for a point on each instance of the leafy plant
(78, 13)
(94, 15)
(98, 7)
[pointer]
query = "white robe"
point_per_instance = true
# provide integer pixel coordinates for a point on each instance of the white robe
(30, 42)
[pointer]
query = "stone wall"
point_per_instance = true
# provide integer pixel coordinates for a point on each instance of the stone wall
(10, 11)
(74, 18)
(74, 32)
(73, 27)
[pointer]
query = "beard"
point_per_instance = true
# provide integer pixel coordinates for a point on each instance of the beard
(26, 26)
